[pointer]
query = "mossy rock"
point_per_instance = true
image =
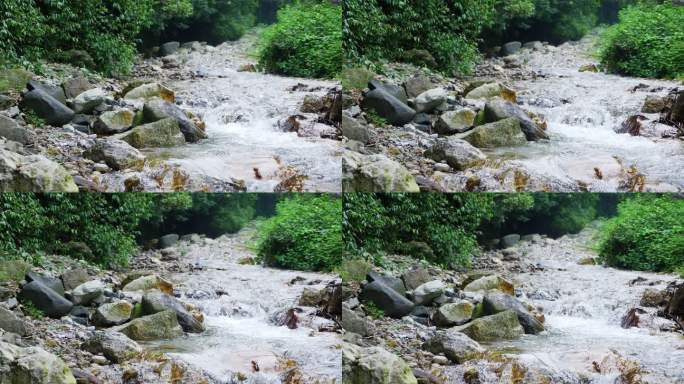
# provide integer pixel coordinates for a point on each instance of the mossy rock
(13, 270)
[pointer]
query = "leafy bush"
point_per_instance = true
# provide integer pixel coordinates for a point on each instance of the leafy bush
(306, 41)
(647, 42)
(305, 234)
(647, 234)
(354, 269)
(447, 223)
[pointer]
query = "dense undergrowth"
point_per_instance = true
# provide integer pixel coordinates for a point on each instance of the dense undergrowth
(106, 35)
(647, 234)
(648, 41)
(451, 36)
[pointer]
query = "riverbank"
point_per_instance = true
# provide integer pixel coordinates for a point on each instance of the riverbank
(195, 118)
(576, 127)
(198, 310)
(572, 320)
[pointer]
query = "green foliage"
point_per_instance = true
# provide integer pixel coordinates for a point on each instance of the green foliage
(353, 269)
(305, 42)
(12, 269)
(305, 234)
(447, 223)
(356, 77)
(647, 234)
(31, 310)
(33, 119)
(448, 30)
(373, 310)
(373, 118)
(647, 42)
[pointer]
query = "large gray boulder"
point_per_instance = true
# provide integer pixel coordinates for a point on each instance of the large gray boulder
(51, 303)
(162, 325)
(501, 326)
(160, 134)
(390, 301)
(388, 107)
(32, 365)
(374, 365)
(75, 86)
(375, 173)
(459, 154)
(169, 48)
(157, 109)
(504, 133)
(425, 293)
(149, 91)
(34, 173)
(415, 277)
(495, 302)
(10, 130)
(428, 101)
(10, 322)
(417, 85)
(457, 121)
(51, 282)
(85, 293)
(488, 283)
(47, 108)
(393, 282)
(456, 346)
(355, 323)
(168, 240)
(392, 89)
(54, 91)
(511, 48)
(87, 101)
(155, 302)
(499, 109)
(354, 130)
(117, 154)
(74, 277)
(115, 346)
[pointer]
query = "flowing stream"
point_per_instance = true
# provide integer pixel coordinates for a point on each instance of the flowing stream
(242, 343)
(583, 306)
(582, 109)
(242, 111)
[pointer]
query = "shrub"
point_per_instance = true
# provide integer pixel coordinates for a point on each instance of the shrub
(647, 234)
(354, 269)
(305, 42)
(647, 42)
(305, 234)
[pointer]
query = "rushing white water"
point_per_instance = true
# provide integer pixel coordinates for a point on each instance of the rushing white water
(583, 109)
(583, 306)
(239, 302)
(242, 110)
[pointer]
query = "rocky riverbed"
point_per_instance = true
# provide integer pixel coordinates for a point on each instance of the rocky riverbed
(193, 118)
(539, 310)
(195, 310)
(534, 117)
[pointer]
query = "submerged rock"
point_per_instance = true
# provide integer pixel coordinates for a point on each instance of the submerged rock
(155, 302)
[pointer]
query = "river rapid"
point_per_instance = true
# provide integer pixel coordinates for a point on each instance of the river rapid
(242, 304)
(242, 111)
(583, 109)
(584, 306)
